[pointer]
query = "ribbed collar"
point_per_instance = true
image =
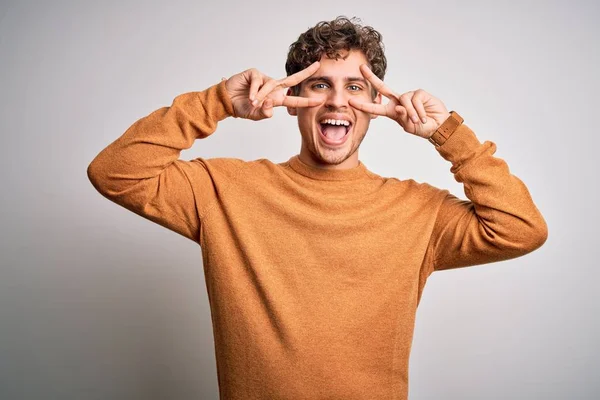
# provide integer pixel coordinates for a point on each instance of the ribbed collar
(323, 174)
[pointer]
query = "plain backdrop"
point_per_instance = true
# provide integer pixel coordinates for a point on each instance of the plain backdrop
(98, 303)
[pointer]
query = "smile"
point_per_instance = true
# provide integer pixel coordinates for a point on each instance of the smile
(334, 131)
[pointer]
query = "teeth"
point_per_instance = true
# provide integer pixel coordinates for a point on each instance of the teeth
(336, 122)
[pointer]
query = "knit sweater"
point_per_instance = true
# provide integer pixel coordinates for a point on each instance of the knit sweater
(313, 275)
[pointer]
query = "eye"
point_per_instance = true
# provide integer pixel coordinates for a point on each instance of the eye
(354, 88)
(320, 86)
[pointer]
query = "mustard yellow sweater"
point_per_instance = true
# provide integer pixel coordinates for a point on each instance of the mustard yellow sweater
(313, 276)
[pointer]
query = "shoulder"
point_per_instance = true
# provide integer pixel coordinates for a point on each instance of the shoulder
(411, 188)
(227, 167)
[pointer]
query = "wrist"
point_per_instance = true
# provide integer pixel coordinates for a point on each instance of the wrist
(446, 129)
(225, 106)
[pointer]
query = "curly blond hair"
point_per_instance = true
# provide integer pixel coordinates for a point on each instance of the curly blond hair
(332, 38)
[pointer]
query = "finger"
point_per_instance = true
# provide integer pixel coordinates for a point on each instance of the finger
(255, 82)
(417, 102)
(290, 81)
(267, 108)
(371, 108)
(376, 82)
(296, 102)
(299, 76)
(402, 115)
(406, 101)
(401, 112)
(264, 91)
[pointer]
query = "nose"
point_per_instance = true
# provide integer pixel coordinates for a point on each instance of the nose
(336, 98)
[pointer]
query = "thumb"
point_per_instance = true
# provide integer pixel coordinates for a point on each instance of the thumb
(267, 108)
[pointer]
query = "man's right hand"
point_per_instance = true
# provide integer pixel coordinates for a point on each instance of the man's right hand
(254, 94)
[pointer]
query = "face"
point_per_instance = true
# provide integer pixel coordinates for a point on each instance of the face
(332, 132)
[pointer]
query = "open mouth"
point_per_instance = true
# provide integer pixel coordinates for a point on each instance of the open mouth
(334, 131)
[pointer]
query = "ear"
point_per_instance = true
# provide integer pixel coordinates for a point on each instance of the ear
(376, 100)
(291, 110)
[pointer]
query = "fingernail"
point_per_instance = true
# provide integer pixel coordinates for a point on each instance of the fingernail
(415, 119)
(254, 102)
(424, 120)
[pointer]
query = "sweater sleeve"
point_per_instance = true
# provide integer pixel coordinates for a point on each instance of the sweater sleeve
(142, 172)
(499, 222)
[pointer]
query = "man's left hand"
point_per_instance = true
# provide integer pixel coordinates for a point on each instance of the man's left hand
(409, 109)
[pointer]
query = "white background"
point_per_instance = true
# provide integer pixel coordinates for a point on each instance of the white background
(98, 303)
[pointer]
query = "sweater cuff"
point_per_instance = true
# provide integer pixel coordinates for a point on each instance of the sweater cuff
(216, 102)
(460, 145)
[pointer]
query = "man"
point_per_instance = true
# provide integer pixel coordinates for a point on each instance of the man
(314, 267)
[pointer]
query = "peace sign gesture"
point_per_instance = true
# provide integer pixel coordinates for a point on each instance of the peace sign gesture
(253, 94)
(418, 112)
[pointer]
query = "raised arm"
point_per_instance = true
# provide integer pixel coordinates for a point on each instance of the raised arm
(141, 170)
(500, 220)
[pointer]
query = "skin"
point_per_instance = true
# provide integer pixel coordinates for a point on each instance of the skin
(335, 83)
(334, 87)
(251, 103)
(417, 112)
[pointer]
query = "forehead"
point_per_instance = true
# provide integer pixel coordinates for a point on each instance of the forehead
(348, 63)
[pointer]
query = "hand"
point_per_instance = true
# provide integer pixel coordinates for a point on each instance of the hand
(409, 109)
(254, 94)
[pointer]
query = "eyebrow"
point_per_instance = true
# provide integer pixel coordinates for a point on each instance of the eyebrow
(346, 79)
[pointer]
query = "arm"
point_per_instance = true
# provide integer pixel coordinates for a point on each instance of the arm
(141, 170)
(499, 222)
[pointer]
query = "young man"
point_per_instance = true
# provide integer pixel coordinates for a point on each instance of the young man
(314, 267)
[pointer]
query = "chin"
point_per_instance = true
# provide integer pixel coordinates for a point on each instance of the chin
(331, 156)
(334, 159)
